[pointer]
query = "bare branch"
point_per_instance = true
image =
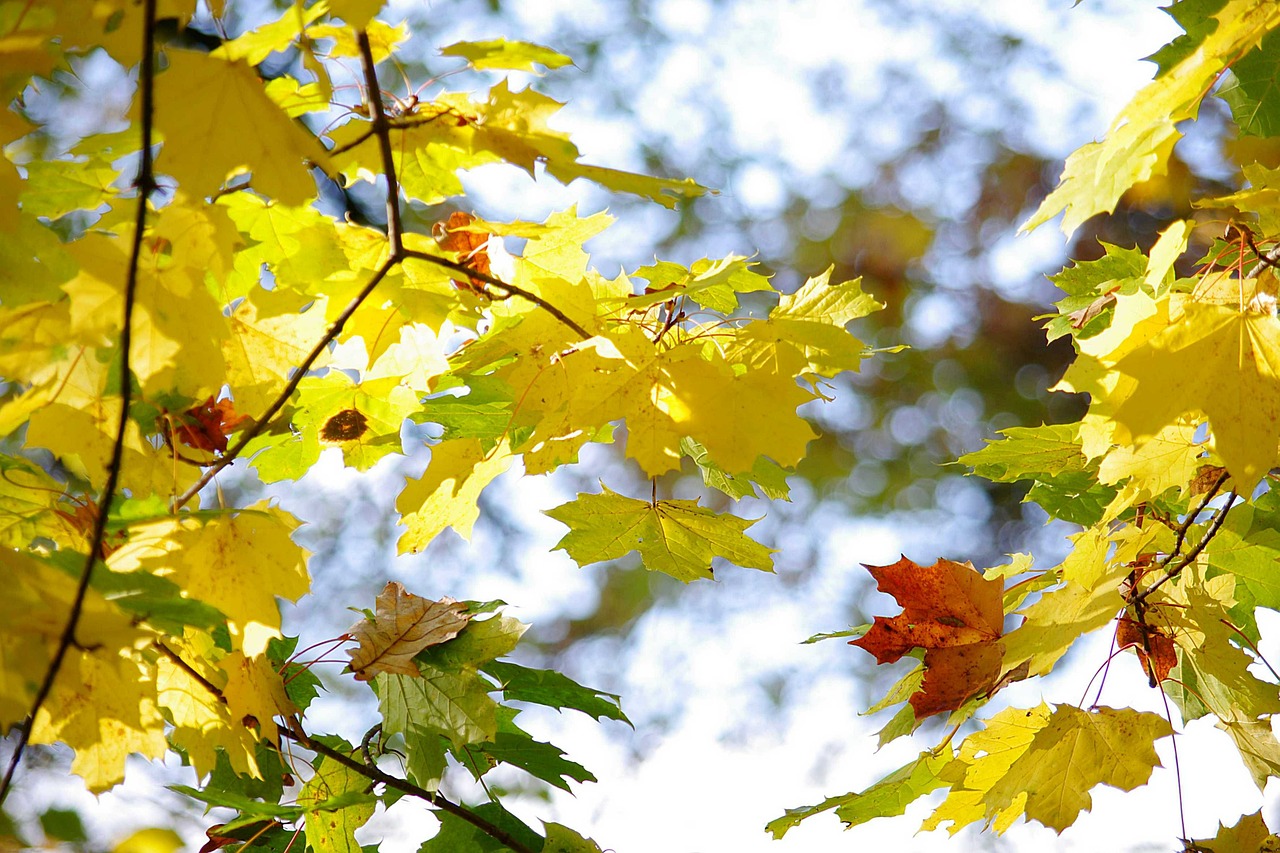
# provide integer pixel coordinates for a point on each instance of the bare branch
(383, 131)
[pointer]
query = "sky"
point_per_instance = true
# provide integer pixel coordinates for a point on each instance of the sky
(715, 754)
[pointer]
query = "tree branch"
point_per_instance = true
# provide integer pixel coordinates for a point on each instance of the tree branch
(145, 185)
(511, 289)
(383, 131)
(253, 431)
(1192, 554)
(375, 775)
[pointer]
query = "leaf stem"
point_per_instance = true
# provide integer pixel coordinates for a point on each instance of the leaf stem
(145, 185)
(375, 775)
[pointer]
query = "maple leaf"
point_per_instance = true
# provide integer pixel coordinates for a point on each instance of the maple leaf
(504, 54)
(447, 494)
(888, 797)
(333, 830)
(678, 538)
(206, 426)
(233, 127)
(403, 625)
(952, 612)
(1217, 360)
(1139, 141)
(1249, 835)
(471, 247)
(1043, 763)
(1154, 647)
(103, 707)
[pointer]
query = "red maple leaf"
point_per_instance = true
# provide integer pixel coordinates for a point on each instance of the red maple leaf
(952, 612)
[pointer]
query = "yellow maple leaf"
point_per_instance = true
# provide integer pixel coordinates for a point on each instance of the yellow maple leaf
(232, 127)
(102, 706)
(447, 494)
(1217, 360)
(202, 720)
(237, 563)
(1140, 140)
(255, 693)
(268, 338)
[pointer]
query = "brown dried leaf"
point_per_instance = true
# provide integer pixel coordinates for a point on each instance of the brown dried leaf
(952, 612)
(403, 625)
(1156, 650)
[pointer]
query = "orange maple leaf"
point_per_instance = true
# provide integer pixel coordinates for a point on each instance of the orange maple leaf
(206, 426)
(952, 612)
(472, 248)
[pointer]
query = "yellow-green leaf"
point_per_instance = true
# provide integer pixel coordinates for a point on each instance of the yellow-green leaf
(679, 538)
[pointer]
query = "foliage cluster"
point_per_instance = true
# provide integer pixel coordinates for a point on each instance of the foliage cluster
(185, 293)
(192, 290)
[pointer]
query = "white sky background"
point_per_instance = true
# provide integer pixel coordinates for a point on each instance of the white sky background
(732, 760)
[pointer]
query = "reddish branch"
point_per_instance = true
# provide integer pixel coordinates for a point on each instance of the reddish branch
(145, 185)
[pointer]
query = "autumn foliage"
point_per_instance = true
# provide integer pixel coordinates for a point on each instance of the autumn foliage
(188, 296)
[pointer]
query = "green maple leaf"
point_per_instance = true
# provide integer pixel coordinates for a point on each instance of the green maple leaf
(543, 761)
(458, 836)
(1196, 17)
(678, 538)
(454, 704)
(1248, 546)
(332, 830)
(1028, 453)
(886, 798)
(1252, 91)
(552, 689)
(562, 839)
(766, 475)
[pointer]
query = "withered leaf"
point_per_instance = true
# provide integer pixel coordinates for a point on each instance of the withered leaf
(206, 426)
(346, 425)
(1156, 650)
(403, 625)
(952, 612)
(472, 247)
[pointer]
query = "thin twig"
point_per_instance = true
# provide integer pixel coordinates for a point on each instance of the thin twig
(375, 775)
(1194, 552)
(382, 130)
(300, 372)
(511, 289)
(1177, 766)
(190, 670)
(144, 184)
(1191, 517)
